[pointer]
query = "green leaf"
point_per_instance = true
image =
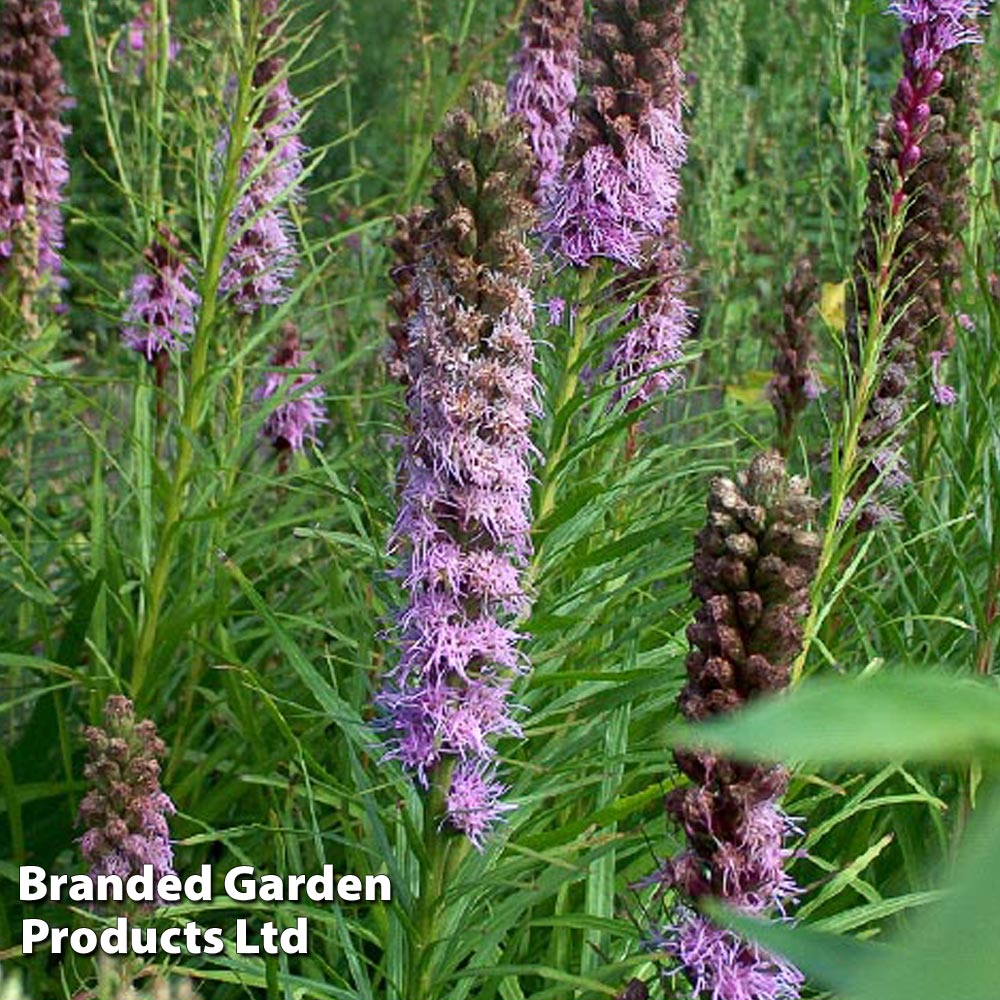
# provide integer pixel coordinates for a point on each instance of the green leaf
(923, 717)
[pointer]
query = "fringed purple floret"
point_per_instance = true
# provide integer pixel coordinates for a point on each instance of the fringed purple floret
(296, 419)
(160, 316)
(543, 85)
(263, 253)
(619, 196)
(125, 810)
(720, 965)
(475, 801)
(33, 168)
(462, 535)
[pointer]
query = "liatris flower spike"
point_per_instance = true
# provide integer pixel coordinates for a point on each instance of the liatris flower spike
(624, 157)
(795, 382)
(919, 160)
(407, 246)
(33, 168)
(618, 198)
(263, 251)
(462, 533)
(160, 316)
(125, 811)
(296, 419)
(542, 87)
(753, 565)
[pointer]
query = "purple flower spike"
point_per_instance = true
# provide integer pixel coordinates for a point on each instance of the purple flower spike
(160, 316)
(33, 169)
(542, 87)
(618, 198)
(463, 349)
(263, 251)
(125, 810)
(295, 420)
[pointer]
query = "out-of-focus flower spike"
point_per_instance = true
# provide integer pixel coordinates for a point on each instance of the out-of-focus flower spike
(33, 168)
(263, 251)
(297, 418)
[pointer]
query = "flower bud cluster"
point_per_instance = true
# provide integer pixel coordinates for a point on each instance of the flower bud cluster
(125, 811)
(753, 565)
(795, 382)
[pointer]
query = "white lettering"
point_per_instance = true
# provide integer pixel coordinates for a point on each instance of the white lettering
(32, 932)
(349, 888)
(31, 884)
(385, 888)
(241, 892)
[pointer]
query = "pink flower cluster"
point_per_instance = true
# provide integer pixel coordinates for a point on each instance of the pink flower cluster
(263, 250)
(125, 810)
(296, 418)
(160, 315)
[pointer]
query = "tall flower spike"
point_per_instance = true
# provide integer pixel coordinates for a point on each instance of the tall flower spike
(542, 86)
(918, 164)
(795, 381)
(125, 810)
(296, 419)
(160, 315)
(619, 196)
(753, 564)
(462, 534)
(33, 169)
(263, 250)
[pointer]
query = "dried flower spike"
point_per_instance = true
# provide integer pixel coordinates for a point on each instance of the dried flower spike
(125, 811)
(296, 419)
(542, 86)
(462, 533)
(753, 565)
(33, 169)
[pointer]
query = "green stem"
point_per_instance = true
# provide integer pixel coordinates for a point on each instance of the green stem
(569, 382)
(847, 460)
(434, 872)
(195, 402)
